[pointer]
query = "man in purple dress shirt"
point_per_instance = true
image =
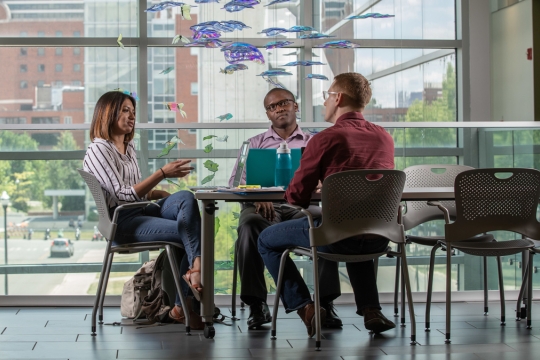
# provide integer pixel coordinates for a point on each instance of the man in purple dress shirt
(281, 109)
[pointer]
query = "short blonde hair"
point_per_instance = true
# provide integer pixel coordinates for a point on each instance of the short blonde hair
(106, 112)
(356, 86)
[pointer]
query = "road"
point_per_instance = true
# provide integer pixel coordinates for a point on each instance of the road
(38, 252)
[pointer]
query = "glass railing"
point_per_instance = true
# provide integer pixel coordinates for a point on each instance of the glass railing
(30, 171)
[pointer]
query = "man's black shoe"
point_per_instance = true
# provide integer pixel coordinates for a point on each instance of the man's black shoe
(332, 320)
(259, 314)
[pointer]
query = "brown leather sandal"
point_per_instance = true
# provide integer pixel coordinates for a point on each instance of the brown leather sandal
(195, 320)
(194, 287)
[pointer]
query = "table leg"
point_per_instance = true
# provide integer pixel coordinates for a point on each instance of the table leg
(207, 266)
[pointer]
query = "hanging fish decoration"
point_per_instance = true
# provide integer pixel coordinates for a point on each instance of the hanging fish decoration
(304, 63)
(239, 52)
(230, 69)
(316, 76)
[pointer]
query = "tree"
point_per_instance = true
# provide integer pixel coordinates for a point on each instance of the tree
(62, 174)
(442, 109)
(17, 176)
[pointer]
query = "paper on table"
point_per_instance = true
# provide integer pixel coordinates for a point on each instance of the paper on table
(273, 189)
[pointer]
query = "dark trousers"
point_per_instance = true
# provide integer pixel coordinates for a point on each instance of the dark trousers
(295, 294)
(251, 265)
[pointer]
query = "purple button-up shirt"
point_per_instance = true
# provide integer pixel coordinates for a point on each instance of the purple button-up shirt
(271, 140)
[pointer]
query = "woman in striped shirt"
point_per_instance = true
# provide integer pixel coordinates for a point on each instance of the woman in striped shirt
(111, 158)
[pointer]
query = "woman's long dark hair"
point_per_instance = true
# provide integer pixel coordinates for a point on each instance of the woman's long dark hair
(106, 112)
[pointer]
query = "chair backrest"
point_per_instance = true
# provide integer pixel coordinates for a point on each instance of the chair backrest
(496, 199)
(105, 225)
(419, 212)
(360, 202)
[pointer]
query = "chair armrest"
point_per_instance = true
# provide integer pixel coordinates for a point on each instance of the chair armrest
(304, 211)
(130, 206)
(442, 208)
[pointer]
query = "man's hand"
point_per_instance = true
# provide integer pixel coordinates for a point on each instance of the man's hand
(266, 209)
(319, 188)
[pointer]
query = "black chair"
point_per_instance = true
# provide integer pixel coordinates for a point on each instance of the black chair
(107, 227)
(419, 212)
(503, 199)
(353, 203)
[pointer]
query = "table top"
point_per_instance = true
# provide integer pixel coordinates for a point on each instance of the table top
(421, 193)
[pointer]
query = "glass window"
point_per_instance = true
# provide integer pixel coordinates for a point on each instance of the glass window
(408, 84)
(23, 34)
(24, 51)
(23, 84)
(75, 18)
(58, 51)
(41, 67)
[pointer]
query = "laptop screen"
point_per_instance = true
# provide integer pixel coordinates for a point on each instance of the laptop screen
(241, 163)
(261, 166)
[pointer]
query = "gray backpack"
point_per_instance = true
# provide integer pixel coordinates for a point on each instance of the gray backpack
(150, 292)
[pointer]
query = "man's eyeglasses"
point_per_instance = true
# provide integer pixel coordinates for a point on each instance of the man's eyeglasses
(326, 94)
(281, 104)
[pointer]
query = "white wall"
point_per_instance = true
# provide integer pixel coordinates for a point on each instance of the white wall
(480, 60)
(512, 74)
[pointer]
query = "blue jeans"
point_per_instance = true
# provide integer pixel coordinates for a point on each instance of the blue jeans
(177, 220)
(274, 240)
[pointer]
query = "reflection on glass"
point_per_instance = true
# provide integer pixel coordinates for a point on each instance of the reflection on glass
(89, 18)
(423, 19)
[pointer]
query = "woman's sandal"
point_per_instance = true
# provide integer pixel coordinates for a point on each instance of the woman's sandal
(195, 320)
(194, 287)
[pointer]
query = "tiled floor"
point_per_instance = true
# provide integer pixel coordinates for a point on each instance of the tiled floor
(64, 333)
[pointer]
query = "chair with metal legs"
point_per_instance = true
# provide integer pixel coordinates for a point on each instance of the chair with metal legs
(107, 227)
(521, 312)
(354, 203)
(419, 212)
(504, 199)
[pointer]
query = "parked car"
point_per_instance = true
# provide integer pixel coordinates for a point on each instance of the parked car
(62, 247)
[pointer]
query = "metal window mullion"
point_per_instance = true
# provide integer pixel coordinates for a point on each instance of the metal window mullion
(67, 42)
(306, 87)
(142, 82)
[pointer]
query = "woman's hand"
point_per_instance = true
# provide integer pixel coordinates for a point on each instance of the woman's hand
(177, 169)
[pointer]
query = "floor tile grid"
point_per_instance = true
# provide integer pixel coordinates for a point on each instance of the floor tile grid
(64, 333)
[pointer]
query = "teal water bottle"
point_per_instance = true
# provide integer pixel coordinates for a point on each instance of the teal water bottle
(283, 166)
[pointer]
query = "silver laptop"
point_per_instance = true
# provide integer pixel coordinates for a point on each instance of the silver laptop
(240, 168)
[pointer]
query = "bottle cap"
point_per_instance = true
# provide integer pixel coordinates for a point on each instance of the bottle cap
(283, 148)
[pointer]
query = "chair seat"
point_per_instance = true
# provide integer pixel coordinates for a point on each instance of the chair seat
(340, 257)
(143, 246)
(496, 248)
(536, 248)
(432, 240)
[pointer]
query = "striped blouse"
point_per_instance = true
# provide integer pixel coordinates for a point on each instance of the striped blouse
(116, 172)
